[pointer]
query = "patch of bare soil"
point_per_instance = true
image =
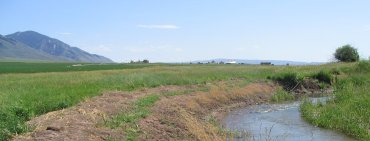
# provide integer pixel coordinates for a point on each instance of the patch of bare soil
(186, 117)
(79, 123)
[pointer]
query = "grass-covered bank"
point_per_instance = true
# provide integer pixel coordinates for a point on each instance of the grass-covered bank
(26, 95)
(349, 111)
(194, 116)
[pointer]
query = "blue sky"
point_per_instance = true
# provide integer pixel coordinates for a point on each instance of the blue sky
(182, 31)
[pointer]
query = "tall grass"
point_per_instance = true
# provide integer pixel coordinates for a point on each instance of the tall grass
(363, 66)
(282, 96)
(349, 111)
(324, 76)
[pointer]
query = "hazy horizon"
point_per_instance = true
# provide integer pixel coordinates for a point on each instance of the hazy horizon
(184, 31)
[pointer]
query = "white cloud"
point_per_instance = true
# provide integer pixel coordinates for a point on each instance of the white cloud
(159, 26)
(65, 33)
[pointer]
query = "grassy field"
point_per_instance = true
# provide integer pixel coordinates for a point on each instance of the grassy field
(31, 89)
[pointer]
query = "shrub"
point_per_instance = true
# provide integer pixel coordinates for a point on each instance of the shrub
(145, 61)
(346, 53)
(288, 80)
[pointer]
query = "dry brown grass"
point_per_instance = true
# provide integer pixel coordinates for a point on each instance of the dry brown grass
(80, 122)
(222, 95)
(202, 131)
(184, 117)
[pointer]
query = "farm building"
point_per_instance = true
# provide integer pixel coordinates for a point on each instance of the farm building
(231, 62)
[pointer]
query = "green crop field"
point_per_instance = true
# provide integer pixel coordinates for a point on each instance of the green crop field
(34, 67)
(31, 89)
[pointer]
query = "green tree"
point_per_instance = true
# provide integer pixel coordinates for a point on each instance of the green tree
(346, 53)
(145, 61)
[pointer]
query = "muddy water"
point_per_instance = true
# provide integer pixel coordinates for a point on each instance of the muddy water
(280, 122)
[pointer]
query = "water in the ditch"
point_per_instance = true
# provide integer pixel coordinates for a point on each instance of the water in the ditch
(277, 122)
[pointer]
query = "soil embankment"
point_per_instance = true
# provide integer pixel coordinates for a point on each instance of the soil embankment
(178, 117)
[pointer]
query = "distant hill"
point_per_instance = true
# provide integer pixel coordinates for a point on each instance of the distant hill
(30, 45)
(14, 50)
(253, 62)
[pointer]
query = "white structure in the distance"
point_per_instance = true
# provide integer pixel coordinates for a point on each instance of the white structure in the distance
(231, 62)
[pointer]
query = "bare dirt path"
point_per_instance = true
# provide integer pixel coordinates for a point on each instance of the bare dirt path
(79, 123)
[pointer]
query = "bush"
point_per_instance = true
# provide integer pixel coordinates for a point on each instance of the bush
(287, 80)
(346, 53)
(324, 76)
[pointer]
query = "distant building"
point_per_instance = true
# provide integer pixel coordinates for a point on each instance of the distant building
(266, 63)
(231, 62)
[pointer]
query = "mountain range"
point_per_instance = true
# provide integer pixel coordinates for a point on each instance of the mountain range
(33, 46)
(254, 62)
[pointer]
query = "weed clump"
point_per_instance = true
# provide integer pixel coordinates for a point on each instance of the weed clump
(282, 96)
(12, 122)
(335, 71)
(323, 76)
